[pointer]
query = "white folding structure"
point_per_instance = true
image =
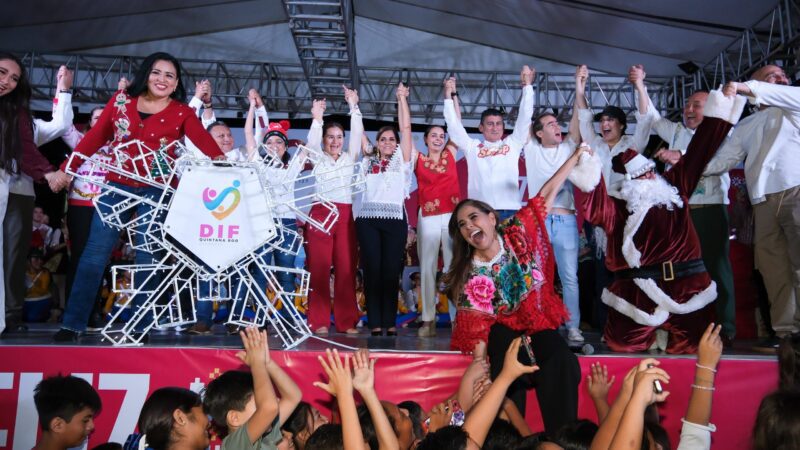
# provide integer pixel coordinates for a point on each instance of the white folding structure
(211, 225)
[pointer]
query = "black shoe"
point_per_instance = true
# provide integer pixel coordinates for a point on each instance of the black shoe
(65, 335)
(727, 342)
(391, 332)
(377, 332)
(96, 323)
(768, 345)
(16, 328)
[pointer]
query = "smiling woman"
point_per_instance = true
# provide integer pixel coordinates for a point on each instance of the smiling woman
(502, 280)
(152, 112)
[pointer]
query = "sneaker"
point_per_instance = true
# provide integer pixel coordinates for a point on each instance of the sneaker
(574, 335)
(65, 335)
(199, 329)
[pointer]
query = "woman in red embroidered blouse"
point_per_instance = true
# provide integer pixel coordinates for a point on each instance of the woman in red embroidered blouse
(438, 193)
(153, 113)
(502, 279)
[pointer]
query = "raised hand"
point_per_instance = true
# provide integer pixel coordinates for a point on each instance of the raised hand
(730, 89)
(318, 109)
(340, 381)
(350, 96)
(526, 75)
(709, 351)
(512, 368)
(123, 84)
(636, 74)
(668, 156)
(598, 382)
(363, 370)
(201, 90)
(581, 75)
(256, 350)
(402, 91)
(440, 416)
(254, 98)
(449, 87)
(64, 79)
(643, 391)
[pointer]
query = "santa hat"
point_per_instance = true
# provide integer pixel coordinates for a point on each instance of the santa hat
(631, 164)
(278, 129)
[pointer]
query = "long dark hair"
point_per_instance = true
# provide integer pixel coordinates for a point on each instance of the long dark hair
(384, 129)
(461, 264)
(139, 84)
(12, 105)
(298, 422)
(156, 419)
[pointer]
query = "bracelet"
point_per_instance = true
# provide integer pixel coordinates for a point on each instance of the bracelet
(697, 386)
(454, 94)
(65, 91)
(207, 105)
(705, 367)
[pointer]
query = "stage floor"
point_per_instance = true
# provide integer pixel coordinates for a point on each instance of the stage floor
(407, 341)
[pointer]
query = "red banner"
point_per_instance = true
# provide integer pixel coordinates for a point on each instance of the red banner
(124, 377)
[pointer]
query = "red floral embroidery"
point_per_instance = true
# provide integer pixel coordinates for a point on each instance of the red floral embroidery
(518, 241)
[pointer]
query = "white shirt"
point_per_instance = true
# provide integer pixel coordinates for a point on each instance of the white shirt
(493, 167)
(695, 436)
(770, 140)
(542, 162)
(335, 177)
(637, 141)
(386, 192)
(44, 132)
(710, 190)
(196, 104)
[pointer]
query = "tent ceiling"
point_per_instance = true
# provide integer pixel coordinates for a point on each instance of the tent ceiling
(607, 35)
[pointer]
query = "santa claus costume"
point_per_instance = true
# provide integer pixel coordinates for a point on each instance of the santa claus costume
(659, 277)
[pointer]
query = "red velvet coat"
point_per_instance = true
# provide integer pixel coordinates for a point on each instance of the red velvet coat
(663, 235)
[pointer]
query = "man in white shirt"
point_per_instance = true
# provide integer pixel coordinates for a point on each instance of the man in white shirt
(493, 164)
(18, 223)
(707, 205)
(544, 155)
(768, 141)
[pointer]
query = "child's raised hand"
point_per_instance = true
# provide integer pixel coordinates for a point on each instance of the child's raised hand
(363, 371)
(511, 365)
(256, 350)
(709, 351)
(340, 381)
(643, 391)
(597, 381)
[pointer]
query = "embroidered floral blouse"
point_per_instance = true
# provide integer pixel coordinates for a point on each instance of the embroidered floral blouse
(437, 183)
(515, 288)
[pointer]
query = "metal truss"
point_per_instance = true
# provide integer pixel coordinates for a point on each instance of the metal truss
(171, 285)
(774, 38)
(286, 90)
(324, 38)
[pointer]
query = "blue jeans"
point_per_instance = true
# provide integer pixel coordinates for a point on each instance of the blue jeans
(505, 214)
(282, 259)
(95, 257)
(563, 232)
(204, 309)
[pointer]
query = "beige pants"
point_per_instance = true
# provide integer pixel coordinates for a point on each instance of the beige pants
(777, 256)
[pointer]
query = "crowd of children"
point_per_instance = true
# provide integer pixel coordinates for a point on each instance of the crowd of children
(263, 408)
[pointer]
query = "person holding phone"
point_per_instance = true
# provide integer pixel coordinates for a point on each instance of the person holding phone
(502, 280)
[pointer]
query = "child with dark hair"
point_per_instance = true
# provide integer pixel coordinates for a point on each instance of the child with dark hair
(172, 418)
(303, 422)
(327, 437)
(243, 405)
(66, 406)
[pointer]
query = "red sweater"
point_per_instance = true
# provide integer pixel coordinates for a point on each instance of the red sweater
(34, 164)
(120, 123)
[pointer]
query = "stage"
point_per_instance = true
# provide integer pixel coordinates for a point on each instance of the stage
(408, 368)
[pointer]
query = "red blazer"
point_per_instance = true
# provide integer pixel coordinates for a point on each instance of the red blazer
(121, 123)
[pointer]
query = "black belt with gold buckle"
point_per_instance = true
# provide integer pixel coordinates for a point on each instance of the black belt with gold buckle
(666, 271)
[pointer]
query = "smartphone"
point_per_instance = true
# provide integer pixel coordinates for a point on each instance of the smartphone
(526, 343)
(656, 384)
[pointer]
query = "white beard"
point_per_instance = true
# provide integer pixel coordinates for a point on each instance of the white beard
(644, 194)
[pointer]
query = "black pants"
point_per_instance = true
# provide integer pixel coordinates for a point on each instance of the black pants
(382, 242)
(79, 221)
(17, 230)
(556, 381)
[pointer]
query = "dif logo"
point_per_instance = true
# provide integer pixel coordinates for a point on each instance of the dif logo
(220, 208)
